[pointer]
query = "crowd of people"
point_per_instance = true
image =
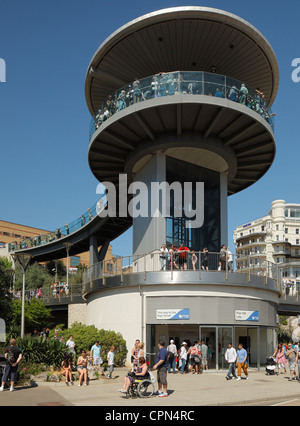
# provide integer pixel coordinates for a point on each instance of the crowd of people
(190, 83)
(190, 358)
(182, 258)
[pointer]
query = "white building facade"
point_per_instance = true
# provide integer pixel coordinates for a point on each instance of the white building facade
(271, 240)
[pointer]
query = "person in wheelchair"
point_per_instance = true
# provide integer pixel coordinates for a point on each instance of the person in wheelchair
(140, 373)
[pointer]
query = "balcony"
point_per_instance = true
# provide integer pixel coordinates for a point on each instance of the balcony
(181, 83)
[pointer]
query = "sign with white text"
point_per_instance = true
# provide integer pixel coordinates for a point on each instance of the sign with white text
(247, 315)
(173, 314)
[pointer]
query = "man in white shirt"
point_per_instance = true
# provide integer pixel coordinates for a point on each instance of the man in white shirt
(183, 356)
(172, 356)
(230, 357)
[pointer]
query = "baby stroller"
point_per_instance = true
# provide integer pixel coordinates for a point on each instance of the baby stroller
(271, 366)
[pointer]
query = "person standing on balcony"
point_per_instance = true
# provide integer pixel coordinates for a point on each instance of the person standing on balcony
(122, 100)
(136, 90)
(183, 256)
(163, 257)
(243, 94)
(223, 255)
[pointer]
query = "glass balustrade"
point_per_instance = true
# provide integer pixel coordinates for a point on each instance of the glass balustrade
(63, 231)
(181, 83)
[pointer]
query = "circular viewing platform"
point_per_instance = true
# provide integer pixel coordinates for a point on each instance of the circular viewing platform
(189, 38)
(185, 83)
(206, 119)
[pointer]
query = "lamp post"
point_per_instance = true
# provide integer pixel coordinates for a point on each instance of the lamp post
(23, 259)
(68, 247)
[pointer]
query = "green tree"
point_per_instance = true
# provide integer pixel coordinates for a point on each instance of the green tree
(5, 284)
(36, 314)
(36, 276)
(61, 269)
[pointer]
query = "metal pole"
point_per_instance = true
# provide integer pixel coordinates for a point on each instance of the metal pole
(23, 306)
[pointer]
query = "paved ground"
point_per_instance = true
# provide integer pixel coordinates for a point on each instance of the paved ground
(207, 389)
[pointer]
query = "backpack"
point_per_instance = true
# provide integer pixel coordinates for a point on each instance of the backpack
(10, 356)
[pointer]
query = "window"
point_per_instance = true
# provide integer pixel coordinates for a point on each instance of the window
(277, 237)
(297, 231)
(297, 241)
(262, 228)
(286, 230)
(277, 227)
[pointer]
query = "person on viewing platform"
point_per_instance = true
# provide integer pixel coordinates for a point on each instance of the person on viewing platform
(219, 93)
(90, 216)
(204, 259)
(183, 256)
(58, 233)
(223, 256)
(163, 257)
(229, 260)
(243, 94)
(122, 100)
(67, 229)
(194, 260)
(137, 94)
(173, 255)
(233, 94)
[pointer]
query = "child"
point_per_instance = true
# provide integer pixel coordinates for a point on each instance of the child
(194, 260)
(110, 360)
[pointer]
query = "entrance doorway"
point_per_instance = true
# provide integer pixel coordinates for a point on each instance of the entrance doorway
(216, 339)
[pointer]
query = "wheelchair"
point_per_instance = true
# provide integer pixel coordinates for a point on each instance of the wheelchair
(143, 388)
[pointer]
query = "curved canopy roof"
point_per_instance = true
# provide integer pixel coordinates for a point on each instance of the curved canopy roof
(182, 38)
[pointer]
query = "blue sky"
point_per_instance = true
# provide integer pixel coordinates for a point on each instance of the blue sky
(44, 121)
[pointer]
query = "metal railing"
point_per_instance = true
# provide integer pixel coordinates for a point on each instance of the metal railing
(60, 292)
(40, 239)
(173, 261)
(178, 83)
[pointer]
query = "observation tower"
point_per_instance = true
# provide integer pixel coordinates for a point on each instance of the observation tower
(183, 95)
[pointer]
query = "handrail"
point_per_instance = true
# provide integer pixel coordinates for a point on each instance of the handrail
(69, 228)
(197, 261)
(181, 83)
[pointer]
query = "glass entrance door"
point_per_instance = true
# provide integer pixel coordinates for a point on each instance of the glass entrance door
(225, 336)
(209, 336)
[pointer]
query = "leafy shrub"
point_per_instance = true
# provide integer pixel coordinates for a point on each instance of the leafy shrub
(85, 337)
(37, 351)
